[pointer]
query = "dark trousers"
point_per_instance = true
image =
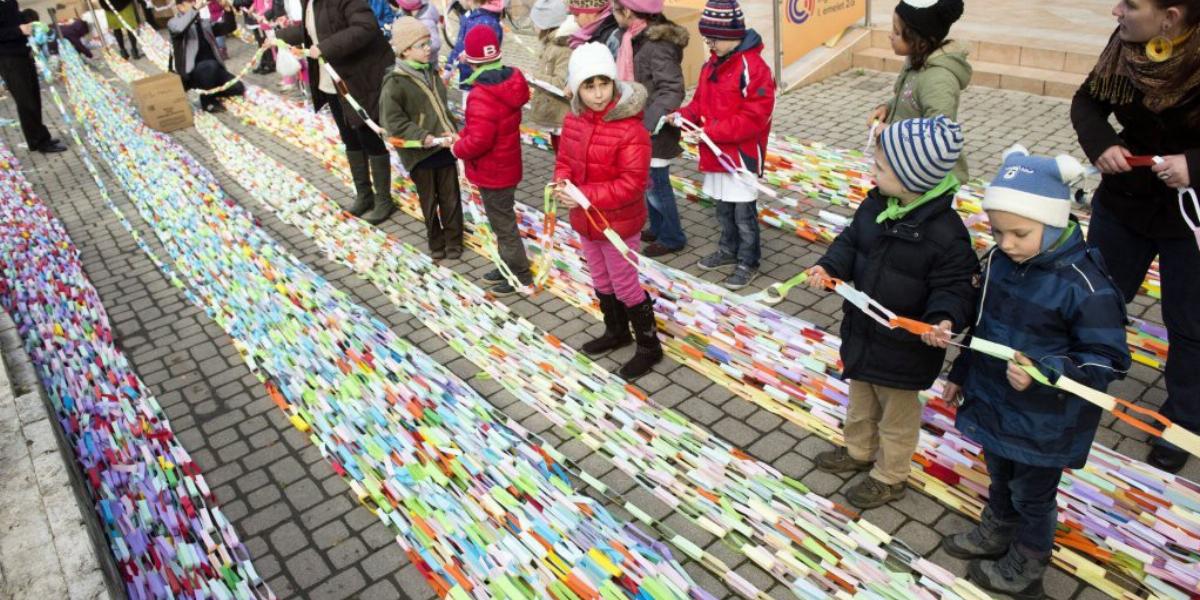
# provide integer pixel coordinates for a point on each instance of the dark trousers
(1025, 494)
(1128, 256)
(498, 206)
(208, 74)
(355, 139)
(441, 205)
(20, 76)
(662, 210)
(739, 232)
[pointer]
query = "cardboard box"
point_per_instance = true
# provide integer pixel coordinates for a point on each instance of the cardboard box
(162, 102)
(72, 9)
(696, 53)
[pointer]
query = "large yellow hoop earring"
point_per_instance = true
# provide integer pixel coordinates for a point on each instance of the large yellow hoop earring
(1160, 48)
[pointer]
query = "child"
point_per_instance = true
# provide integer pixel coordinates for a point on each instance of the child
(733, 104)
(651, 53)
(72, 29)
(936, 70)
(596, 24)
(413, 107)
(908, 249)
(490, 147)
(1048, 295)
(480, 13)
(606, 154)
(428, 15)
(547, 110)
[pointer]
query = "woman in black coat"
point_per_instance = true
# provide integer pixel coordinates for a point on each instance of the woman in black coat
(1149, 78)
(345, 34)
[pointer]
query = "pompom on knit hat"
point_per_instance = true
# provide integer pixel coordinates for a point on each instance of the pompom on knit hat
(646, 7)
(481, 45)
(407, 31)
(722, 20)
(922, 151)
(587, 61)
(930, 18)
(1035, 187)
(583, 7)
(548, 14)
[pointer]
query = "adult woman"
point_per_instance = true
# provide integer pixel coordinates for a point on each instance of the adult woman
(345, 34)
(1149, 78)
(116, 11)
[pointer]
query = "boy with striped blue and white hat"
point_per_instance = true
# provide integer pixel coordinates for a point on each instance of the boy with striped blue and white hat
(908, 249)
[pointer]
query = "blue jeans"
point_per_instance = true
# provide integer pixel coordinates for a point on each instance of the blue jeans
(664, 215)
(1128, 256)
(739, 232)
(1025, 494)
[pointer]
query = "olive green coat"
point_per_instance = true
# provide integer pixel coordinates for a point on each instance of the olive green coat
(412, 105)
(933, 90)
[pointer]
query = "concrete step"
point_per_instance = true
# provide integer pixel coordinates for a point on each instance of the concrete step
(1043, 72)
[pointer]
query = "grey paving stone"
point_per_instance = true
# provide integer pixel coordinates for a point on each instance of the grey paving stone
(307, 568)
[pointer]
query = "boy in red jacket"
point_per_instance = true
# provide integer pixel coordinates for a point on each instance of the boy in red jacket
(490, 148)
(733, 104)
(605, 152)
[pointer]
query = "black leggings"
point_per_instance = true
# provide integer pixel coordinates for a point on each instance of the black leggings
(355, 139)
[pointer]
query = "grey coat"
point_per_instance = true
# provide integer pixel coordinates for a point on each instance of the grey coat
(185, 39)
(657, 56)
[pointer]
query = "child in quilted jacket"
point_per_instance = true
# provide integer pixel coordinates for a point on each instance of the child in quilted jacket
(605, 153)
(555, 27)
(733, 104)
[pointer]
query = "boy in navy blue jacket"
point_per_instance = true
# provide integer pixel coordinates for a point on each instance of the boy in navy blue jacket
(1048, 295)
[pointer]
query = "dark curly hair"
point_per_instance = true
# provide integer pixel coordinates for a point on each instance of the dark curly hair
(921, 46)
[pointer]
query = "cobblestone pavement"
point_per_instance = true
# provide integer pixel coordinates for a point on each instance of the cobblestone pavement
(307, 537)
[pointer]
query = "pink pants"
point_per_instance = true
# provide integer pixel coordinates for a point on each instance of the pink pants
(611, 273)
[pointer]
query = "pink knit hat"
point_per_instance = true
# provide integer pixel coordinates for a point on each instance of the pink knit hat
(408, 5)
(646, 7)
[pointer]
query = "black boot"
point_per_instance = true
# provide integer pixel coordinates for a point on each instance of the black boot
(266, 64)
(133, 47)
(645, 331)
(381, 176)
(616, 327)
(360, 174)
(120, 35)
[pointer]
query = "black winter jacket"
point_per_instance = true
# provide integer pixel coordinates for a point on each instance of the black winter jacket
(657, 59)
(12, 41)
(920, 267)
(1139, 199)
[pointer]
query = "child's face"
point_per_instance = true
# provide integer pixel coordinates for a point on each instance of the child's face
(621, 14)
(885, 178)
(896, 37)
(420, 52)
(1018, 237)
(596, 93)
(722, 47)
(585, 19)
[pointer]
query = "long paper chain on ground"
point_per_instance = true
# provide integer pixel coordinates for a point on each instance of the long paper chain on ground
(162, 523)
(752, 350)
(736, 498)
(479, 508)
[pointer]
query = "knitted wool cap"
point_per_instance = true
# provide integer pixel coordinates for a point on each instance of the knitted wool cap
(587, 61)
(1034, 187)
(930, 18)
(580, 7)
(407, 31)
(408, 5)
(548, 14)
(481, 45)
(922, 151)
(722, 20)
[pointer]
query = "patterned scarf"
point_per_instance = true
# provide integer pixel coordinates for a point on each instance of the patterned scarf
(1124, 68)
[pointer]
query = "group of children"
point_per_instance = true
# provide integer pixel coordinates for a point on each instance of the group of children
(615, 129)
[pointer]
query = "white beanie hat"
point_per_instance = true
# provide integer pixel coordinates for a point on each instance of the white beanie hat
(587, 61)
(548, 14)
(1034, 187)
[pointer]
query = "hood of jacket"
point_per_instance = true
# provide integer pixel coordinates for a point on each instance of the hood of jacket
(631, 101)
(751, 43)
(506, 84)
(953, 58)
(666, 32)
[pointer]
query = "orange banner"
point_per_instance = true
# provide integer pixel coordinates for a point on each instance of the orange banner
(806, 24)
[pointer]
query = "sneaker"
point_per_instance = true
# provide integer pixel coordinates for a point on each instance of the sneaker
(493, 276)
(454, 253)
(1015, 574)
(647, 236)
(715, 261)
(504, 288)
(740, 278)
(840, 461)
(872, 493)
(989, 539)
(1167, 458)
(438, 254)
(656, 249)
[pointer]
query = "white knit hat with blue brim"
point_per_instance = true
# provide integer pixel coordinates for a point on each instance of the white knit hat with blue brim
(922, 151)
(1035, 187)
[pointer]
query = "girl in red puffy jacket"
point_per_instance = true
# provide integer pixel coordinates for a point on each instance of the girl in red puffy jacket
(605, 152)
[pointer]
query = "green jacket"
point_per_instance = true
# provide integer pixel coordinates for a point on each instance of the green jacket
(933, 91)
(412, 105)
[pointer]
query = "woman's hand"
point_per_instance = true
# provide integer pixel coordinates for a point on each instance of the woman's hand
(818, 278)
(952, 393)
(940, 336)
(314, 52)
(877, 116)
(1113, 161)
(1173, 171)
(1018, 378)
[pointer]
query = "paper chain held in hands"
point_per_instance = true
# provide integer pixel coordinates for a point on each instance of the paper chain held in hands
(720, 341)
